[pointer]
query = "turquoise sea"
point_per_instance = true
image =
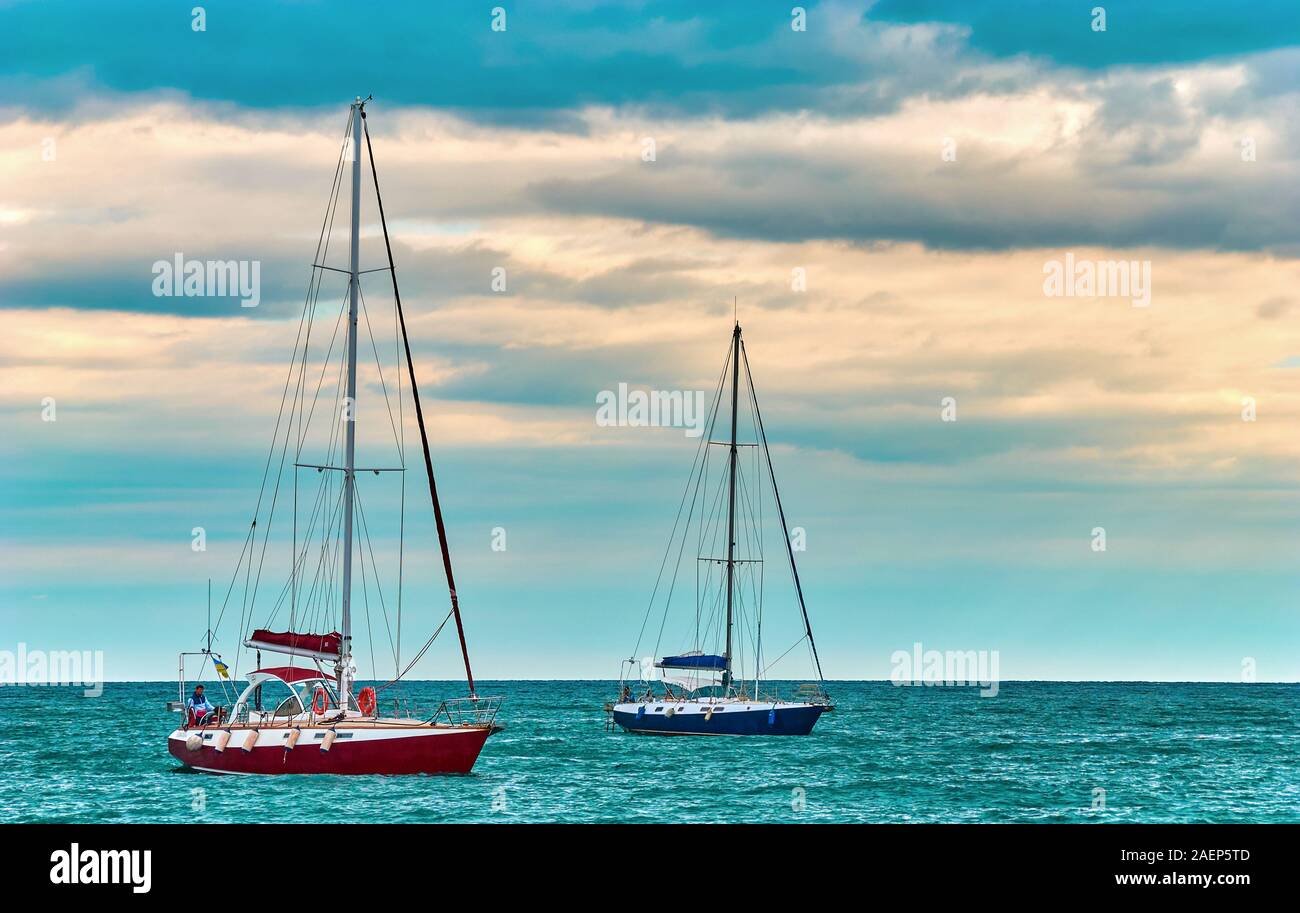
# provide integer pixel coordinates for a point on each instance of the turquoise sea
(1038, 752)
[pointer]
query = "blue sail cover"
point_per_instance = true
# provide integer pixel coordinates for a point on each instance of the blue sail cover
(694, 661)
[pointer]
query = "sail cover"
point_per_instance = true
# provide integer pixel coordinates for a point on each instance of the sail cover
(293, 674)
(693, 661)
(324, 645)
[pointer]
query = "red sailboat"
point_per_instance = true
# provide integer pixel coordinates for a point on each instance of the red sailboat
(308, 715)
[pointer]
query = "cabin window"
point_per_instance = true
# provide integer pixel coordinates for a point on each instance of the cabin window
(288, 707)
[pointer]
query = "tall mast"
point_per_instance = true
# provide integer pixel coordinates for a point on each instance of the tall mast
(344, 667)
(731, 501)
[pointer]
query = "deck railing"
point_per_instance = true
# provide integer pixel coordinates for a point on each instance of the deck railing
(468, 711)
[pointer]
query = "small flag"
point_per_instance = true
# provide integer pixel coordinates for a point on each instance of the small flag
(222, 669)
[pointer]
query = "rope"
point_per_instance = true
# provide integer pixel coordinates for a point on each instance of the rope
(701, 449)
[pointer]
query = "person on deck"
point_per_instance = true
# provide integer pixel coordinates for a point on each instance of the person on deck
(199, 705)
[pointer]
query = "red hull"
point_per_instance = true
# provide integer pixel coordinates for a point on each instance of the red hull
(440, 753)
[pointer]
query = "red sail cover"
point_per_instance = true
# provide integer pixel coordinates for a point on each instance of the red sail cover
(308, 643)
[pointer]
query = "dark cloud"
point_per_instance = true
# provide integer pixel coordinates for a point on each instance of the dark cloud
(973, 206)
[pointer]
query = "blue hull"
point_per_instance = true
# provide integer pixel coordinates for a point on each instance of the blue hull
(759, 721)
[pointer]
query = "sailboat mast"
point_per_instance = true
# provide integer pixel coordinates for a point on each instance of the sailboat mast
(343, 670)
(731, 501)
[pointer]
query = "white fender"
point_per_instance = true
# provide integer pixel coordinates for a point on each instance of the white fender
(328, 741)
(194, 742)
(293, 738)
(221, 740)
(249, 741)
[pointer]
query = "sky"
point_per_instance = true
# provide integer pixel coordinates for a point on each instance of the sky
(880, 188)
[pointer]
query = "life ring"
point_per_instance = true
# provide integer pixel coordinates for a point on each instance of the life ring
(366, 701)
(319, 701)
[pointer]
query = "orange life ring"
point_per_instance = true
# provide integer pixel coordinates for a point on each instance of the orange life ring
(319, 701)
(366, 701)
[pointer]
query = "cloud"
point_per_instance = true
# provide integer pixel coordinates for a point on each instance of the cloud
(1086, 165)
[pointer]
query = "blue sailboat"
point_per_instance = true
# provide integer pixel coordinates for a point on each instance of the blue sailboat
(693, 692)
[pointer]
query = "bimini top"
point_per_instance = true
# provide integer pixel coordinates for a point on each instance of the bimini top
(292, 674)
(693, 661)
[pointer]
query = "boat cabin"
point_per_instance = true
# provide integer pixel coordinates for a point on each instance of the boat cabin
(284, 693)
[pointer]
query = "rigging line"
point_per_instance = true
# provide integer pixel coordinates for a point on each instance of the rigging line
(284, 396)
(788, 651)
(250, 599)
(759, 570)
(271, 452)
(699, 458)
(699, 550)
(332, 443)
(230, 589)
(710, 531)
(374, 348)
(420, 655)
(326, 524)
(321, 588)
(785, 530)
(338, 321)
(320, 500)
(401, 523)
(401, 550)
(672, 587)
(300, 558)
(419, 415)
(322, 253)
(270, 518)
(337, 171)
(266, 533)
(711, 542)
(247, 571)
(370, 545)
(338, 174)
(301, 394)
(293, 557)
(365, 601)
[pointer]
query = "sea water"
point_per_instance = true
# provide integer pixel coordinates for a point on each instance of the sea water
(1037, 752)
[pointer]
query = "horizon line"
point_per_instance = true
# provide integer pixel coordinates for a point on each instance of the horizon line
(910, 683)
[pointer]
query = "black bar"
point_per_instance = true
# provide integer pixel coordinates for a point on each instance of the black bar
(980, 862)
